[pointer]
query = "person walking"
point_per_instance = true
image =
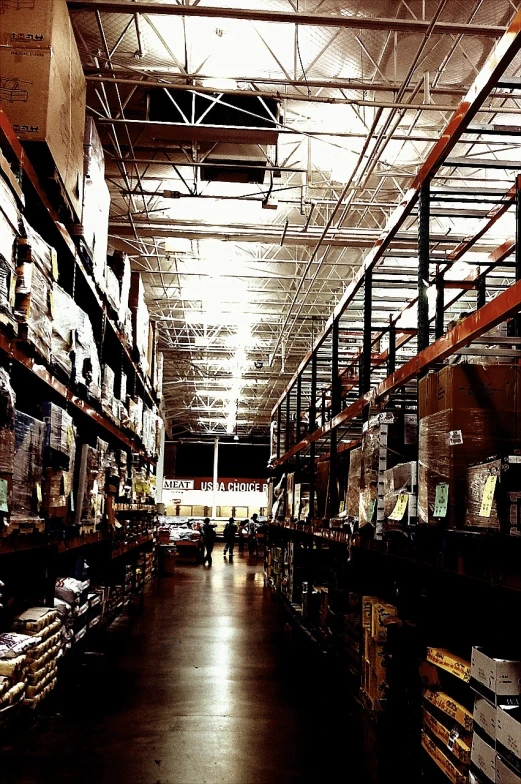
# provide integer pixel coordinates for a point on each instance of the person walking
(253, 547)
(230, 529)
(243, 533)
(209, 540)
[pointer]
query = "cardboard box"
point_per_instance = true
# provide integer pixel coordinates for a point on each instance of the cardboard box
(489, 387)
(498, 680)
(456, 745)
(508, 736)
(42, 86)
(367, 610)
(442, 761)
(450, 662)
(505, 774)
(381, 615)
(503, 513)
(450, 707)
(483, 759)
(485, 719)
(428, 395)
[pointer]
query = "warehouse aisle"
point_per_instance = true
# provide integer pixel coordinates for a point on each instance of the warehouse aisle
(205, 684)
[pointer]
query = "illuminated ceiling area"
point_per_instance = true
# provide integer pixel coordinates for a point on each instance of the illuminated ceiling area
(255, 152)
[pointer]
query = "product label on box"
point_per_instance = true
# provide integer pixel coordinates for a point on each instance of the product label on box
(488, 496)
(455, 437)
(410, 427)
(401, 505)
(387, 418)
(441, 500)
(3, 496)
(514, 459)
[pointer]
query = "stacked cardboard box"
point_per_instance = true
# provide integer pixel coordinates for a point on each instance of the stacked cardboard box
(496, 743)
(96, 203)
(377, 615)
(468, 413)
(27, 474)
(447, 723)
(140, 321)
(59, 458)
(74, 593)
(36, 271)
(9, 222)
(400, 496)
(493, 495)
(43, 88)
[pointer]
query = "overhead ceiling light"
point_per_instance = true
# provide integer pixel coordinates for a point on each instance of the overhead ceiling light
(219, 83)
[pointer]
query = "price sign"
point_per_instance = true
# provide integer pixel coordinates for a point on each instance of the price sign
(441, 500)
(401, 505)
(488, 496)
(455, 437)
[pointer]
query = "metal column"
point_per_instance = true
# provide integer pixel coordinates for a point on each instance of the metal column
(312, 428)
(440, 305)
(215, 476)
(424, 209)
(287, 430)
(279, 428)
(367, 338)
(481, 291)
(336, 396)
(518, 245)
(391, 353)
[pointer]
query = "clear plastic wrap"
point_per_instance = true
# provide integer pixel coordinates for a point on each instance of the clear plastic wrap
(62, 344)
(399, 481)
(96, 201)
(450, 441)
(140, 320)
(158, 374)
(28, 467)
(493, 498)
(7, 423)
(86, 361)
(32, 248)
(73, 342)
(353, 483)
(59, 436)
(33, 308)
(107, 389)
(90, 498)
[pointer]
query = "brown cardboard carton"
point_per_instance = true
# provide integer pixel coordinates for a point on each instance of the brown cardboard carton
(42, 86)
(450, 662)
(38, 23)
(460, 745)
(442, 761)
(449, 442)
(450, 707)
(382, 614)
(493, 388)
(428, 395)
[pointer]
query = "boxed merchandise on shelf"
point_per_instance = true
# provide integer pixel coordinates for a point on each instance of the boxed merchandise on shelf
(59, 444)
(476, 417)
(107, 391)
(354, 479)
(140, 320)
(36, 270)
(483, 760)
(117, 278)
(96, 202)
(44, 88)
(28, 472)
(388, 439)
(497, 679)
(508, 736)
(9, 222)
(73, 344)
(450, 662)
(400, 495)
(493, 498)
(90, 498)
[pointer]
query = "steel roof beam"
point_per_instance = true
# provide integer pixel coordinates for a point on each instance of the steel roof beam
(284, 17)
(488, 77)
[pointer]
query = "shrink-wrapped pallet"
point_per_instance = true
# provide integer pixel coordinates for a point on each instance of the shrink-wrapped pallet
(28, 469)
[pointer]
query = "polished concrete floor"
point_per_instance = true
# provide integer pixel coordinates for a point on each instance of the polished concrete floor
(205, 683)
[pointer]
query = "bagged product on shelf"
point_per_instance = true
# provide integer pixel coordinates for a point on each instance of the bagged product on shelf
(135, 410)
(28, 467)
(14, 644)
(33, 620)
(493, 499)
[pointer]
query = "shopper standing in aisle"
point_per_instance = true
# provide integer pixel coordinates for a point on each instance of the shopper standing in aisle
(209, 540)
(253, 547)
(230, 529)
(243, 533)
